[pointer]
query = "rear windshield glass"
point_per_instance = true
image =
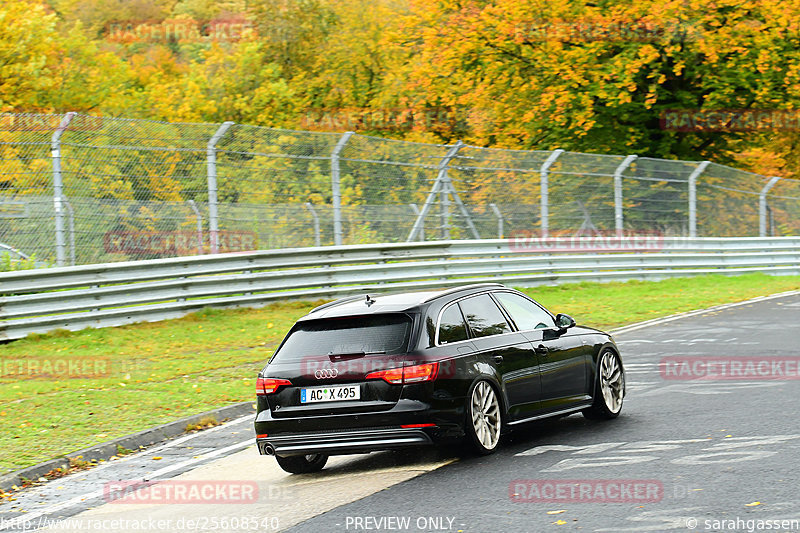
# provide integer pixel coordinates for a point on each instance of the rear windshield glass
(370, 335)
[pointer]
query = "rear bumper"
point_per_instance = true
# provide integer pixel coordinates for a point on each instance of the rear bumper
(343, 442)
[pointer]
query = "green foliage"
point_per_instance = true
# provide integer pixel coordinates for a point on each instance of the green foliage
(27, 46)
(9, 264)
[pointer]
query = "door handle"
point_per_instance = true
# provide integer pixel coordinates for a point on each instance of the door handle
(541, 349)
(498, 359)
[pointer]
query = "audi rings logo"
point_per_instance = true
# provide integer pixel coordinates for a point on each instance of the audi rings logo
(326, 373)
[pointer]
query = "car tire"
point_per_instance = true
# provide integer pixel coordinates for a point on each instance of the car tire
(484, 420)
(302, 464)
(609, 388)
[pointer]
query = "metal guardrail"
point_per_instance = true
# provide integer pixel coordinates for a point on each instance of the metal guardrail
(122, 293)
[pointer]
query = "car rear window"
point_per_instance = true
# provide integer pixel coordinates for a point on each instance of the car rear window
(372, 335)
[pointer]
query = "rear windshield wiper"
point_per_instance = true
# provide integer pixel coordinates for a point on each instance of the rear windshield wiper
(352, 355)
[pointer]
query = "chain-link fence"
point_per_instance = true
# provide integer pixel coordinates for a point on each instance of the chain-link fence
(76, 189)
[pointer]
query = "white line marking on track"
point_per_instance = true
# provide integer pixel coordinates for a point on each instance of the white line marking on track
(670, 318)
(20, 520)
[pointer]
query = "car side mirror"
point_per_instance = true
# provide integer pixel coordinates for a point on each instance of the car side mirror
(564, 321)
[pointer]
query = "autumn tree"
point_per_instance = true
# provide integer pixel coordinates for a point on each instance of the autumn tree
(600, 77)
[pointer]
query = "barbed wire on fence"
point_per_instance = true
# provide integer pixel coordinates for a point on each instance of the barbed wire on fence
(77, 189)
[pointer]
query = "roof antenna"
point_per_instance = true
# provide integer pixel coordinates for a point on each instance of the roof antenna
(369, 301)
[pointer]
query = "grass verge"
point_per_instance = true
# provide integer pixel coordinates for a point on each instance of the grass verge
(135, 377)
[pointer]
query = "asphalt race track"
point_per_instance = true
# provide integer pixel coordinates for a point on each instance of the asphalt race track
(687, 454)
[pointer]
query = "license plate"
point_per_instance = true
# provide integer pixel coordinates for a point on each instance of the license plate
(330, 394)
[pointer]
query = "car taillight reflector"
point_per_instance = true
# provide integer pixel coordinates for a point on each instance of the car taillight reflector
(407, 374)
(418, 373)
(409, 426)
(269, 385)
(393, 376)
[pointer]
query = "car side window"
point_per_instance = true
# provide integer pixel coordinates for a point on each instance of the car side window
(451, 326)
(525, 314)
(483, 316)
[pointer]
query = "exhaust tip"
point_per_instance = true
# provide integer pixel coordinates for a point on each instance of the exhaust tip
(269, 449)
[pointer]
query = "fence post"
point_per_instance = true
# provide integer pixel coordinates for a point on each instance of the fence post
(316, 223)
(544, 203)
(499, 216)
(447, 183)
(211, 163)
(58, 188)
(199, 219)
(762, 206)
(415, 209)
(442, 184)
(618, 220)
(71, 214)
(444, 213)
(699, 169)
(335, 189)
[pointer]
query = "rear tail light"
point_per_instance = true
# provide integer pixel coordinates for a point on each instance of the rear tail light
(393, 376)
(268, 385)
(407, 374)
(419, 373)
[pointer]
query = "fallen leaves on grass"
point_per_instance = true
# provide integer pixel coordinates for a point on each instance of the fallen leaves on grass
(203, 423)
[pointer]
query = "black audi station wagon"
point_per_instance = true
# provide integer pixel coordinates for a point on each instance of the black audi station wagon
(375, 372)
